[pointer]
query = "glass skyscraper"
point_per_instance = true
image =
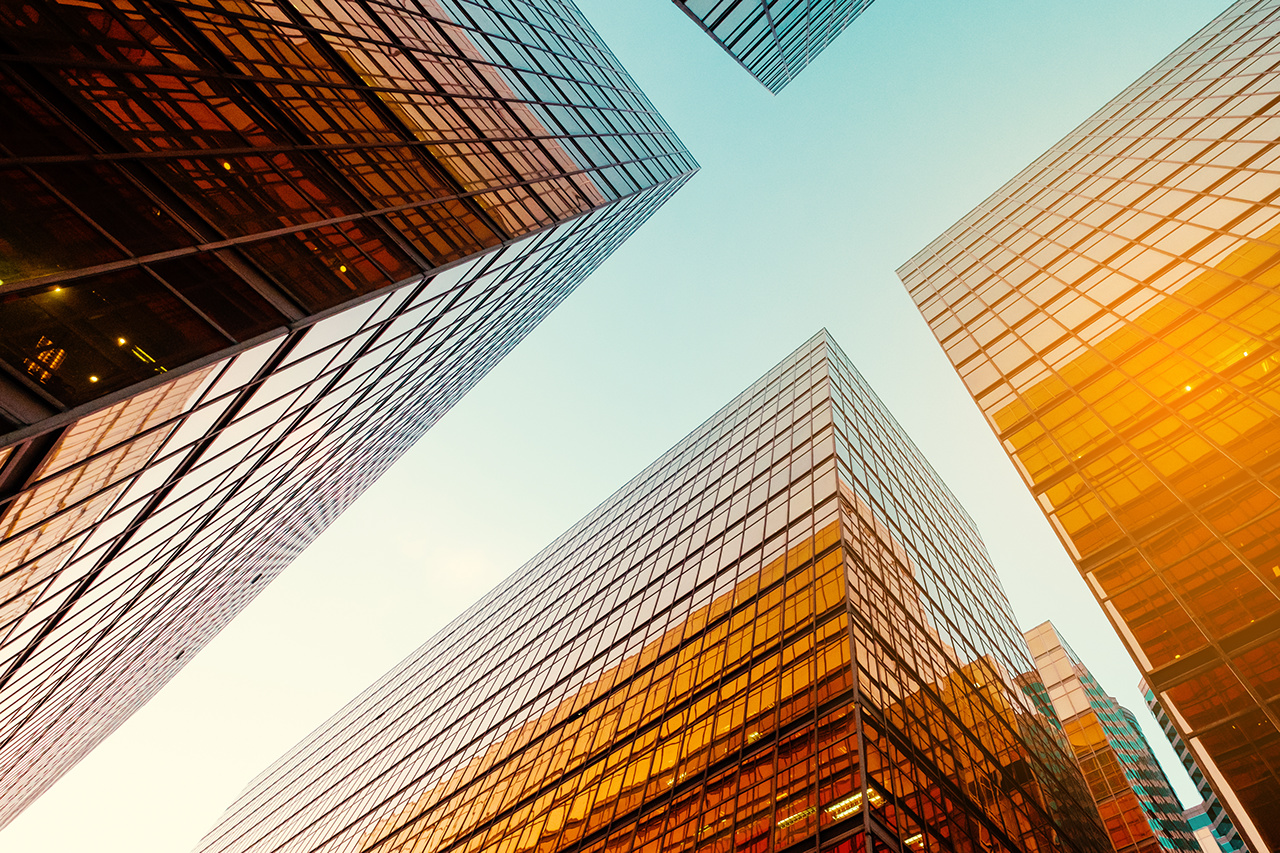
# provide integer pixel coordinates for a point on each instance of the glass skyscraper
(1137, 804)
(1114, 311)
(773, 39)
(262, 246)
(1208, 816)
(784, 634)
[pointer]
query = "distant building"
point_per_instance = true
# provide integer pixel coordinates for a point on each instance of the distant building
(1114, 310)
(1205, 827)
(773, 39)
(1209, 815)
(249, 252)
(1141, 812)
(783, 635)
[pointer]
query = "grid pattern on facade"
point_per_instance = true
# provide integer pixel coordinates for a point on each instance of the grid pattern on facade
(1210, 811)
(681, 671)
(774, 39)
(197, 174)
(269, 244)
(1114, 311)
(1205, 820)
(144, 527)
(1137, 804)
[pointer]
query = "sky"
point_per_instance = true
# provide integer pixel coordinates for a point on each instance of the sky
(805, 206)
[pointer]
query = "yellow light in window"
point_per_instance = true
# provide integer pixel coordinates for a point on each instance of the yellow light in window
(342, 268)
(1186, 388)
(226, 165)
(57, 290)
(93, 379)
(121, 341)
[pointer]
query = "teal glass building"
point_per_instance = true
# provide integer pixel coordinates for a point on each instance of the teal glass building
(773, 39)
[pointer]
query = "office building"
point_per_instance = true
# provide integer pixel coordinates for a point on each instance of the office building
(1209, 815)
(773, 39)
(1114, 312)
(784, 634)
(260, 247)
(1137, 804)
(1204, 821)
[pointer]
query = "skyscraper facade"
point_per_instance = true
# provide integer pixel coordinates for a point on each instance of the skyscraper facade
(773, 39)
(1137, 804)
(784, 634)
(1209, 815)
(263, 246)
(1114, 312)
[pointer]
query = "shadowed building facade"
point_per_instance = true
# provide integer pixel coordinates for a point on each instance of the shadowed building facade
(1137, 804)
(1114, 312)
(1209, 815)
(773, 39)
(785, 634)
(262, 246)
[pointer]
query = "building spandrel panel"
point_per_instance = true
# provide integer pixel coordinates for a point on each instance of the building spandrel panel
(1114, 312)
(774, 40)
(138, 517)
(784, 634)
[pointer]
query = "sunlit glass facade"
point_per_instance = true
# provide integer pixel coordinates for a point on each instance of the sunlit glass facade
(1209, 816)
(1141, 812)
(784, 634)
(773, 39)
(262, 247)
(1114, 311)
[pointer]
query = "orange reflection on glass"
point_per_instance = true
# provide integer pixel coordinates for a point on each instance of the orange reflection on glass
(77, 482)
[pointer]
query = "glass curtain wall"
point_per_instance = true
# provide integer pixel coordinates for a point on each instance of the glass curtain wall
(1114, 311)
(784, 634)
(358, 209)
(773, 39)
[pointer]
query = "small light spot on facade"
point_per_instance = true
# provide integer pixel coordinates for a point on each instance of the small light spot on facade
(342, 268)
(226, 165)
(1187, 388)
(93, 379)
(121, 341)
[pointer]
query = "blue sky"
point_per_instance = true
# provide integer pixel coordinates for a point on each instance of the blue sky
(806, 204)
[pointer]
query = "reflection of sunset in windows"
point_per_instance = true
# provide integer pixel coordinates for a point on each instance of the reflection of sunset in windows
(749, 647)
(1114, 312)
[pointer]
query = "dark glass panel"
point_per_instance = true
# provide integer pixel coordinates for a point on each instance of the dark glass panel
(43, 234)
(326, 266)
(107, 197)
(101, 333)
(28, 129)
(223, 296)
(248, 194)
